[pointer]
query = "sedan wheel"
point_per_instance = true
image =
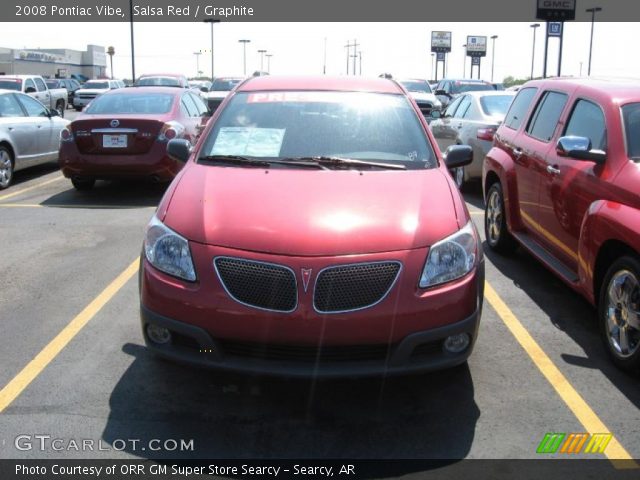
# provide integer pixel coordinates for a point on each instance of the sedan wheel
(6, 168)
(620, 312)
(495, 222)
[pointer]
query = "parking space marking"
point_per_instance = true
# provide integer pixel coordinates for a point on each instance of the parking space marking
(615, 452)
(70, 205)
(32, 187)
(31, 371)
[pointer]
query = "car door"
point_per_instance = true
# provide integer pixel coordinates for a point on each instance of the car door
(569, 186)
(193, 117)
(460, 118)
(442, 128)
(19, 129)
(42, 92)
(38, 114)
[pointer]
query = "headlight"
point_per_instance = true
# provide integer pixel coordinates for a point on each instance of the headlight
(451, 258)
(168, 251)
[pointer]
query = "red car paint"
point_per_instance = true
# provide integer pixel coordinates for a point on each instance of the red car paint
(145, 155)
(308, 220)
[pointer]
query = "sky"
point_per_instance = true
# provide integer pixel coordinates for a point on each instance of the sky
(402, 49)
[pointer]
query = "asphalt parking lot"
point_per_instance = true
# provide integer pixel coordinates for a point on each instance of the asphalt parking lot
(74, 364)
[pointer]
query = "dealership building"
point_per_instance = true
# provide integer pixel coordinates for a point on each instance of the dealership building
(61, 63)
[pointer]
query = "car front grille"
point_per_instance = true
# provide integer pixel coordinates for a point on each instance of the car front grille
(257, 284)
(425, 108)
(305, 354)
(353, 287)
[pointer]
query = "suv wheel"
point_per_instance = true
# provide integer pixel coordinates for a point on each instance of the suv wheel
(495, 222)
(619, 312)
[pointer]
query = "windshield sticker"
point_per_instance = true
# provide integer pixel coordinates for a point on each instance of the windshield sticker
(249, 141)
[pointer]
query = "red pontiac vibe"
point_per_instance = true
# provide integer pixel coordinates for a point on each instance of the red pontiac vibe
(124, 133)
(314, 231)
(562, 181)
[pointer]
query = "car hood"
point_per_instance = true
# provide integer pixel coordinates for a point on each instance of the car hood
(312, 213)
(91, 90)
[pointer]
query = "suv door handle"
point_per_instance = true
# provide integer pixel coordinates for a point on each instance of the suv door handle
(553, 170)
(517, 152)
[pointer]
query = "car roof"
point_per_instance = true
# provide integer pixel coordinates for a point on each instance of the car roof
(172, 75)
(321, 82)
(616, 90)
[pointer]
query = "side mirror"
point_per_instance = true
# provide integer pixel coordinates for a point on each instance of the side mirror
(204, 89)
(179, 149)
(442, 93)
(436, 114)
(580, 149)
(458, 156)
(53, 112)
(30, 90)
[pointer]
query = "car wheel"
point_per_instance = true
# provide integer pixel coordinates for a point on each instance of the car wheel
(495, 222)
(619, 312)
(6, 167)
(60, 108)
(80, 183)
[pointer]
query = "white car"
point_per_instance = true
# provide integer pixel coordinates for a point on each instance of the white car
(91, 89)
(220, 88)
(421, 92)
(29, 134)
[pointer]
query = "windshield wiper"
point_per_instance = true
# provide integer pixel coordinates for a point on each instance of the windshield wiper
(338, 162)
(255, 162)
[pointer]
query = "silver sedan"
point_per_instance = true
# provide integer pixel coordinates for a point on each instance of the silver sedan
(29, 134)
(471, 119)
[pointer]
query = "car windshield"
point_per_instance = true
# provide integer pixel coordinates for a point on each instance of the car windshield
(496, 105)
(631, 117)
(52, 83)
(96, 85)
(463, 87)
(11, 84)
(158, 82)
(416, 86)
(122, 103)
(224, 84)
(307, 124)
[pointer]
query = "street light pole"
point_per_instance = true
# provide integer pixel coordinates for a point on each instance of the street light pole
(269, 55)
(464, 62)
(197, 54)
(133, 51)
(244, 48)
(433, 58)
(593, 11)
(533, 51)
(262, 52)
(211, 21)
(111, 51)
(493, 54)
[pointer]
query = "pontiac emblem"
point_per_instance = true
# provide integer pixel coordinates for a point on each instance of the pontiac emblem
(115, 123)
(306, 276)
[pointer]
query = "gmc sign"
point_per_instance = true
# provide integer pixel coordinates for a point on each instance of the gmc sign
(556, 10)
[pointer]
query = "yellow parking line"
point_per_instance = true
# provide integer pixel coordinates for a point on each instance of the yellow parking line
(37, 185)
(29, 373)
(583, 412)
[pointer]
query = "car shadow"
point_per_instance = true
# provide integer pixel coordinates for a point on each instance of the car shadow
(23, 176)
(110, 194)
(472, 193)
(568, 312)
(431, 416)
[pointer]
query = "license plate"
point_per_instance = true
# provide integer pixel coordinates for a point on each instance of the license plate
(114, 141)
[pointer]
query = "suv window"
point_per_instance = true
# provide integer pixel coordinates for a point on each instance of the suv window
(28, 83)
(631, 117)
(587, 120)
(519, 108)
(40, 84)
(464, 106)
(545, 118)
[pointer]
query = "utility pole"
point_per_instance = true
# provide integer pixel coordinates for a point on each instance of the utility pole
(533, 51)
(360, 55)
(211, 21)
(244, 50)
(493, 53)
(262, 52)
(355, 46)
(433, 58)
(593, 11)
(348, 46)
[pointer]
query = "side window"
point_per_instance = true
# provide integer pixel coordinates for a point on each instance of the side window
(29, 84)
(451, 109)
(40, 84)
(9, 106)
(183, 108)
(587, 120)
(545, 118)
(191, 106)
(447, 87)
(464, 106)
(519, 108)
(202, 108)
(33, 107)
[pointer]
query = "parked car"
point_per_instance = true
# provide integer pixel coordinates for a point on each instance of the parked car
(35, 86)
(124, 134)
(421, 92)
(314, 230)
(448, 89)
(562, 182)
(162, 80)
(29, 134)
(69, 84)
(92, 89)
(220, 88)
(202, 86)
(471, 119)
(498, 86)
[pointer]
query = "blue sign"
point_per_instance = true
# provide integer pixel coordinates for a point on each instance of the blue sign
(475, 61)
(554, 29)
(440, 56)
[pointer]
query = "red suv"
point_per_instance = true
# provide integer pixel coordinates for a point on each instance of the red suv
(562, 182)
(314, 230)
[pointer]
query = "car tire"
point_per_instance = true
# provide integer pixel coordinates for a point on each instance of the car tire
(83, 183)
(495, 222)
(619, 312)
(60, 108)
(6, 167)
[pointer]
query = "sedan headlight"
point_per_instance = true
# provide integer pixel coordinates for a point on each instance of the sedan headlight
(168, 251)
(451, 258)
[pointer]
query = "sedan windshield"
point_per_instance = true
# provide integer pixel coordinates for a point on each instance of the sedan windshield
(224, 84)
(122, 103)
(308, 125)
(158, 82)
(496, 105)
(96, 85)
(11, 84)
